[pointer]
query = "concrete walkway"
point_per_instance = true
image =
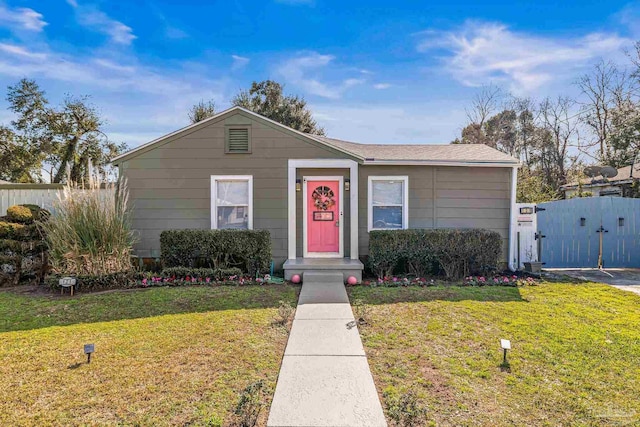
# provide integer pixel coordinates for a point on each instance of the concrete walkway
(324, 378)
(626, 279)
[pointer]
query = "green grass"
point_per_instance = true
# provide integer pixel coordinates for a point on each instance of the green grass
(164, 356)
(575, 357)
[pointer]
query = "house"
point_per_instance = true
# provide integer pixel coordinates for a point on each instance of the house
(617, 186)
(318, 196)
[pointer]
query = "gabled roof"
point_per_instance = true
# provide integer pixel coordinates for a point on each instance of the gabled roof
(427, 154)
(625, 174)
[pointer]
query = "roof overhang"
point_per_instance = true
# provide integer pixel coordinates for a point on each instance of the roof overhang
(598, 184)
(442, 163)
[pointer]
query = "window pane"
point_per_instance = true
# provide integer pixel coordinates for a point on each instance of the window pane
(387, 192)
(387, 217)
(234, 217)
(232, 193)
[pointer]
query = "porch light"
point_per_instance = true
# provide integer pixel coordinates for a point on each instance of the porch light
(298, 185)
(506, 345)
(347, 184)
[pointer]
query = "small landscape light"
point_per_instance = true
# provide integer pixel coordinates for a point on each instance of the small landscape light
(88, 349)
(506, 345)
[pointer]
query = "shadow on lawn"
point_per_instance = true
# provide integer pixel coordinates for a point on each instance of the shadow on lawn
(21, 310)
(452, 293)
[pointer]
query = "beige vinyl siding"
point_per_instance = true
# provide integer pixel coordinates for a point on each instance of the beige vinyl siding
(446, 197)
(170, 184)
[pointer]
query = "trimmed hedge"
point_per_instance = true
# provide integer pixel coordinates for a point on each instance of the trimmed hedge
(211, 273)
(248, 250)
(421, 252)
(119, 280)
(23, 251)
(19, 214)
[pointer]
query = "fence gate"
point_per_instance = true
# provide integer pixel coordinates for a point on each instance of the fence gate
(576, 233)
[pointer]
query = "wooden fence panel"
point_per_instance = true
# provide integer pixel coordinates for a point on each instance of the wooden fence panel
(43, 195)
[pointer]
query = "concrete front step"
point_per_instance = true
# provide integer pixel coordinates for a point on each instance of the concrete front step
(343, 266)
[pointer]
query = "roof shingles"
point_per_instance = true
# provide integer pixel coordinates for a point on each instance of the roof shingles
(476, 153)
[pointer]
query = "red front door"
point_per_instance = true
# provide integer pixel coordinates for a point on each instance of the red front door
(323, 216)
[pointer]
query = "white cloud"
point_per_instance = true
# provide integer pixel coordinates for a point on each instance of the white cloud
(382, 86)
(94, 19)
(22, 17)
(137, 101)
(239, 62)
(303, 71)
(16, 50)
(482, 52)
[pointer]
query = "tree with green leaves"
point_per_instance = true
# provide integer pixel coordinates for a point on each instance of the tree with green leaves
(202, 110)
(267, 98)
(66, 139)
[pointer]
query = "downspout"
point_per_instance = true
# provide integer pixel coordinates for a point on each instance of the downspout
(512, 220)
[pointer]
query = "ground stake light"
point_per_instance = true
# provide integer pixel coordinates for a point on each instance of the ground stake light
(88, 349)
(506, 345)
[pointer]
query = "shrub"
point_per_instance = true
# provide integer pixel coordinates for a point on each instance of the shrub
(117, 280)
(202, 273)
(249, 406)
(420, 252)
(285, 313)
(91, 232)
(405, 409)
(38, 213)
(249, 250)
(9, 230)
(19, 214)
(22, 249)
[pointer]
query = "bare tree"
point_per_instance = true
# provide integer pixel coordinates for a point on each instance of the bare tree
(605, 89)
(558, 132)
(485, 104)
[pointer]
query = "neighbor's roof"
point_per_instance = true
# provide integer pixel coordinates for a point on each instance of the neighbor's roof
(624, 174)
(446, 154)
(422, 152)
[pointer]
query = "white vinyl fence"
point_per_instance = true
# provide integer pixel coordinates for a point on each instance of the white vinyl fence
(43, 195)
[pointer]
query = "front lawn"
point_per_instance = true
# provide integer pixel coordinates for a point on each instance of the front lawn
(164, 356)
(575, 357)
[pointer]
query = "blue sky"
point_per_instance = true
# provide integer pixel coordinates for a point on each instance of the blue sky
(380, 72)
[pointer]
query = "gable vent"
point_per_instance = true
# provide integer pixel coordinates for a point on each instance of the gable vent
(238, 140)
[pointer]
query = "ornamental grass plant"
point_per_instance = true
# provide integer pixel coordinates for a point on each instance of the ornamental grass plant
(91, 231)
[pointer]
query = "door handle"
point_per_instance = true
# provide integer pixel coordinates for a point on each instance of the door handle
(337, 223)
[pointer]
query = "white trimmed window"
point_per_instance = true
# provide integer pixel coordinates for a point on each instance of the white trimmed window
(232, 201)
(388, 200)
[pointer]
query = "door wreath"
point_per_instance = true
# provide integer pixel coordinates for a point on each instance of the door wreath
(323, 198)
